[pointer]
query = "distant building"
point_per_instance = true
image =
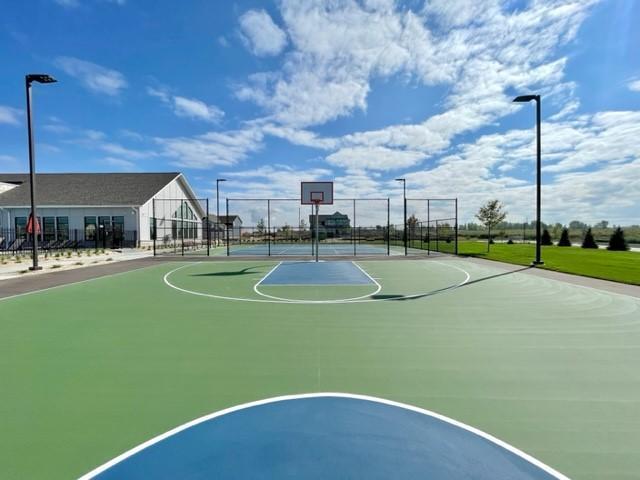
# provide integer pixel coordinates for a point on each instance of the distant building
(110, 210)
(332, 225)
(220, 227)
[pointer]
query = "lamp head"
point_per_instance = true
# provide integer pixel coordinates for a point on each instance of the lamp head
(400, 180)
(221, 180)
(40, 78)
(526, 98)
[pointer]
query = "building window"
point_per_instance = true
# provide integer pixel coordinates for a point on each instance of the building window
(63, 228)
(49, 229)
(21, 227)
(90, 228)
(117, 226)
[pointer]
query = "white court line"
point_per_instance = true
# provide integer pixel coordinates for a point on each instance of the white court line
(303, 301)
(317, 302)
(211, 416)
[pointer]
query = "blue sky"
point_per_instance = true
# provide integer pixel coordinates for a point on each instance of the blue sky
(270, 93)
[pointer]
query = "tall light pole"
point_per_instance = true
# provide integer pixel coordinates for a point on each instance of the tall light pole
(526, 99)
(404, 196)
(28, 80)
(218, 180)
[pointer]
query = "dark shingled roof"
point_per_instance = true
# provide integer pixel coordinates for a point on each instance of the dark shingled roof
(84, 188)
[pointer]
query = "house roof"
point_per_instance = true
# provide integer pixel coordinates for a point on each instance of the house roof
(77, 189)
(225, 218)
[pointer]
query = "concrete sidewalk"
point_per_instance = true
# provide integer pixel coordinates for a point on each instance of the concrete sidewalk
(11, 268)
(609, 286)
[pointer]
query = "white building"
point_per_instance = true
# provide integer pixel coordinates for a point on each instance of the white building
(100, 209)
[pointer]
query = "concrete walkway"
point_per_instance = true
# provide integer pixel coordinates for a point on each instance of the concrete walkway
(11, 268)
(609, 286)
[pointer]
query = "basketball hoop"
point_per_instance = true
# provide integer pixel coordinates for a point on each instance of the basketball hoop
(316, 193)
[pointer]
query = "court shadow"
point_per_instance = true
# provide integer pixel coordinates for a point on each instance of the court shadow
(244, 271)
(395, 297)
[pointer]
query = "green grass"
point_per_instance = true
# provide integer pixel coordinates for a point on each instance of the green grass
(617, 266)
(90, 370)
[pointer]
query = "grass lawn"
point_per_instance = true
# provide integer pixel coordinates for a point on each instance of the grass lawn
(617, 266)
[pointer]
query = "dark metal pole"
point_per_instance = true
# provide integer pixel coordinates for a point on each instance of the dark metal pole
(208, 230)
(155, 224)
(456, 245)
(269, 227)
(217, 224)
(317, 229)
(32, 176)
(538, 260)
(353, 231)
(388, 226)
(406, 234)
(428, 227)
(228, 251)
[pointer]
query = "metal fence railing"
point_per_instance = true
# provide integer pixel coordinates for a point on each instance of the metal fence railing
(16, 242)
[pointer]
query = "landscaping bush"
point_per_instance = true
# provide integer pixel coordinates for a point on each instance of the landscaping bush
(564, 238)
(546, 238)
(617, 241)
(510, 242)
(589, 241)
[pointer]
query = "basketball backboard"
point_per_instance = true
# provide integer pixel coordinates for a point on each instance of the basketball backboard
(316, 193)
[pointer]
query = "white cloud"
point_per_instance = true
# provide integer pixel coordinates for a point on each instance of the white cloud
(374, 158)
(94, 77)
(337, 51)
(10, 115)
(68, 3)
(262, 36)
(187, 107)
(213, 148)
(634, 85)
(193, 108)
(120, 164)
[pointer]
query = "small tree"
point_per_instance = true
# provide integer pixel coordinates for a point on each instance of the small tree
(490, 215)
(564, 238)
(260, 226)
(412, 225)
(589, 241)
(545, 239)
(617, 241)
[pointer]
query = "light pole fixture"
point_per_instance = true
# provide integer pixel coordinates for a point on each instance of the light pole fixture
(526, 99)
(218, 180)
(28, 80)
(404, 196)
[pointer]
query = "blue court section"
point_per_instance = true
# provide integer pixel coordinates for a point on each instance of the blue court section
(325, 437)
(306, 249)
(316, 273)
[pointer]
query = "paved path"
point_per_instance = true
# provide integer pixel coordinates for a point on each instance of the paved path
(31, 283)
(615, 287)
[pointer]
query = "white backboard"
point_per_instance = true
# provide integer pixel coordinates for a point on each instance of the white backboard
(316, 192)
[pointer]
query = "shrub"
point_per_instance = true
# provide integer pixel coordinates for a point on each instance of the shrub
(510, 242)
(564, 238)
(589, 241)
(617, 241)
(546, 238)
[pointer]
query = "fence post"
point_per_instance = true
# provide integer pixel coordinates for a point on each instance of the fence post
(227, 224)
(388, 226)
(428, 227)
(355, 225)
(269, 227)
(456, 231)
(155, 224)
(208, 230)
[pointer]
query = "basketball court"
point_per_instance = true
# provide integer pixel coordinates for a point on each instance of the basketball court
(385, 366)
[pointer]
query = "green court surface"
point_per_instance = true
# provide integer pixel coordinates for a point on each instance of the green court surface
(91, 370)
